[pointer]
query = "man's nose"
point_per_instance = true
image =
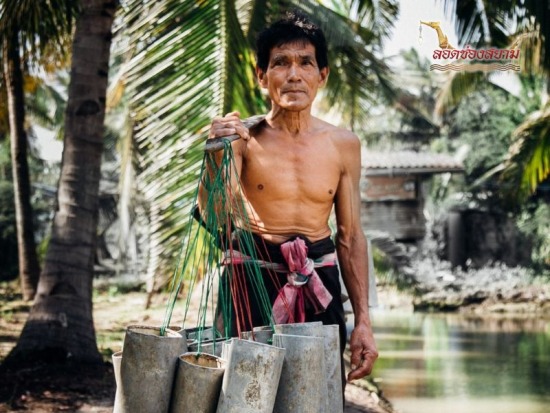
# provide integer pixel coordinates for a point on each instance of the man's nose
(293, 73)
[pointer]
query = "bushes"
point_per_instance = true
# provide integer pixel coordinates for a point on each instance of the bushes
(535, 223)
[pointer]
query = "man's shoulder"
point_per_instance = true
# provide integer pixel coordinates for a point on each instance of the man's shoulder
(341, 135)
(343, 138)
(346, 143)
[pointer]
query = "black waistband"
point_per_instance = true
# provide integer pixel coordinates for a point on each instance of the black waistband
(269, 251)
(265, 250)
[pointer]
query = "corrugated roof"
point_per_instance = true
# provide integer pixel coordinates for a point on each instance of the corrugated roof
(408, 162)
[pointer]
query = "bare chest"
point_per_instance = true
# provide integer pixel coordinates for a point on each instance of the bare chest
(305, 172)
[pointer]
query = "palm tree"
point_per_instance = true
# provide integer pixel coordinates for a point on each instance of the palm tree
(28, 260)
(60, 323)
(483, 23)
(189, 61)
(26, 29)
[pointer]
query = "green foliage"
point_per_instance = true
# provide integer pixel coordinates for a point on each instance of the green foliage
(42, 248)
(42, 205)
(528, 160)
(41, 26)
(409, 122)
(5, 160)
(484, 121)
(382, 265)
(522, 25)
(483, 126)
(385, 271)
(190, 65)
(535, 223)
(484, 22)
(185, 62)
(492, 124)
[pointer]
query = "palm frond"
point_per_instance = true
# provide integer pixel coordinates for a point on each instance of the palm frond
(527, 163)
(190, 62)
(530, 45)
(39, 24)
(45, 104)
(482, 22)
(358, 78)
(379, 15)
(496, 22)
(456, 87)
(528, 160)
(460, 84)
(186, 61)
(539, 11)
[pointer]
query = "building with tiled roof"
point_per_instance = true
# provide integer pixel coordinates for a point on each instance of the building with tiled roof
(408, 163)
(394, 186)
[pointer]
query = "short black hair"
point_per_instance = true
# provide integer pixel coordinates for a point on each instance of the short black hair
(294, 27)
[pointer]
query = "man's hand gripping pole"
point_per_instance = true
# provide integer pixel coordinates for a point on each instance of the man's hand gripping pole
(216, 144)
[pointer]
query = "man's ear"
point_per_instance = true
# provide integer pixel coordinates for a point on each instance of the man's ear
(323, 76)
(262, 80)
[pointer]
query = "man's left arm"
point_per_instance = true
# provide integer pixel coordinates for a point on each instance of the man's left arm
(353, 256)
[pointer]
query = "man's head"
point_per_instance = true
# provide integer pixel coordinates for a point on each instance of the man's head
(294, 28)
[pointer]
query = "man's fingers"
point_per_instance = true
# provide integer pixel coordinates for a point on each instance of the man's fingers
(356, 358)
(221, 124)
(360, 372)
(242, 131)
(228, 125)
(223, 129)
(361, 364)
(221, 132)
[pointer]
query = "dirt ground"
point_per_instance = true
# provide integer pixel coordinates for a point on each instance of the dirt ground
(62, 388)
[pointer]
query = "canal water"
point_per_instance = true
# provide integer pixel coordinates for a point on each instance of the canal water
(450, 363)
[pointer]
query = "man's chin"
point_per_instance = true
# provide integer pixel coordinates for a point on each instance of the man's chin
(294, 106)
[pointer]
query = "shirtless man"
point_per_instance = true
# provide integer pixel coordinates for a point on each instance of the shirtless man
(294, 167)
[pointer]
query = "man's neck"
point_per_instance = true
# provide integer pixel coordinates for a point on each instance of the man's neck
(291, 122)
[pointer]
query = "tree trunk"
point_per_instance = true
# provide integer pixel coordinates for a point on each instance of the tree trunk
(60, 324)
(29, 268)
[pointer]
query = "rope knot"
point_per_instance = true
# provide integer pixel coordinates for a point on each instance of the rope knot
(290, 303)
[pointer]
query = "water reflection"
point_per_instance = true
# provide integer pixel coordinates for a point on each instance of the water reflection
(454, 364)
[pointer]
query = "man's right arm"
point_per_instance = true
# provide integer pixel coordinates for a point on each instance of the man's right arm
(230, 124)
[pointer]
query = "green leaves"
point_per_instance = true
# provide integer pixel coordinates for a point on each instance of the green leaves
(523, 24)
(185, 62)
(39, 24)
(190, 62)
(528, 161)
(484, 22)
(358, 77)
(457, 86)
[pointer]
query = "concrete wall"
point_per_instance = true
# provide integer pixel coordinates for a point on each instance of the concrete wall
(486, 237)
(403, 220)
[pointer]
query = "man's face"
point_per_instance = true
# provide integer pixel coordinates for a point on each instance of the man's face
(293, 76)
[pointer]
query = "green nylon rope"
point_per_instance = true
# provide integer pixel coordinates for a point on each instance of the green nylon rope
(200, 255)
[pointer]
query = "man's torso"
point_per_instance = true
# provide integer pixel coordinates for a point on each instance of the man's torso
(290, 182)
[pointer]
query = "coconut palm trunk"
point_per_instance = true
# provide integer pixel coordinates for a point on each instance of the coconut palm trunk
(13, 76)
(60, 324)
